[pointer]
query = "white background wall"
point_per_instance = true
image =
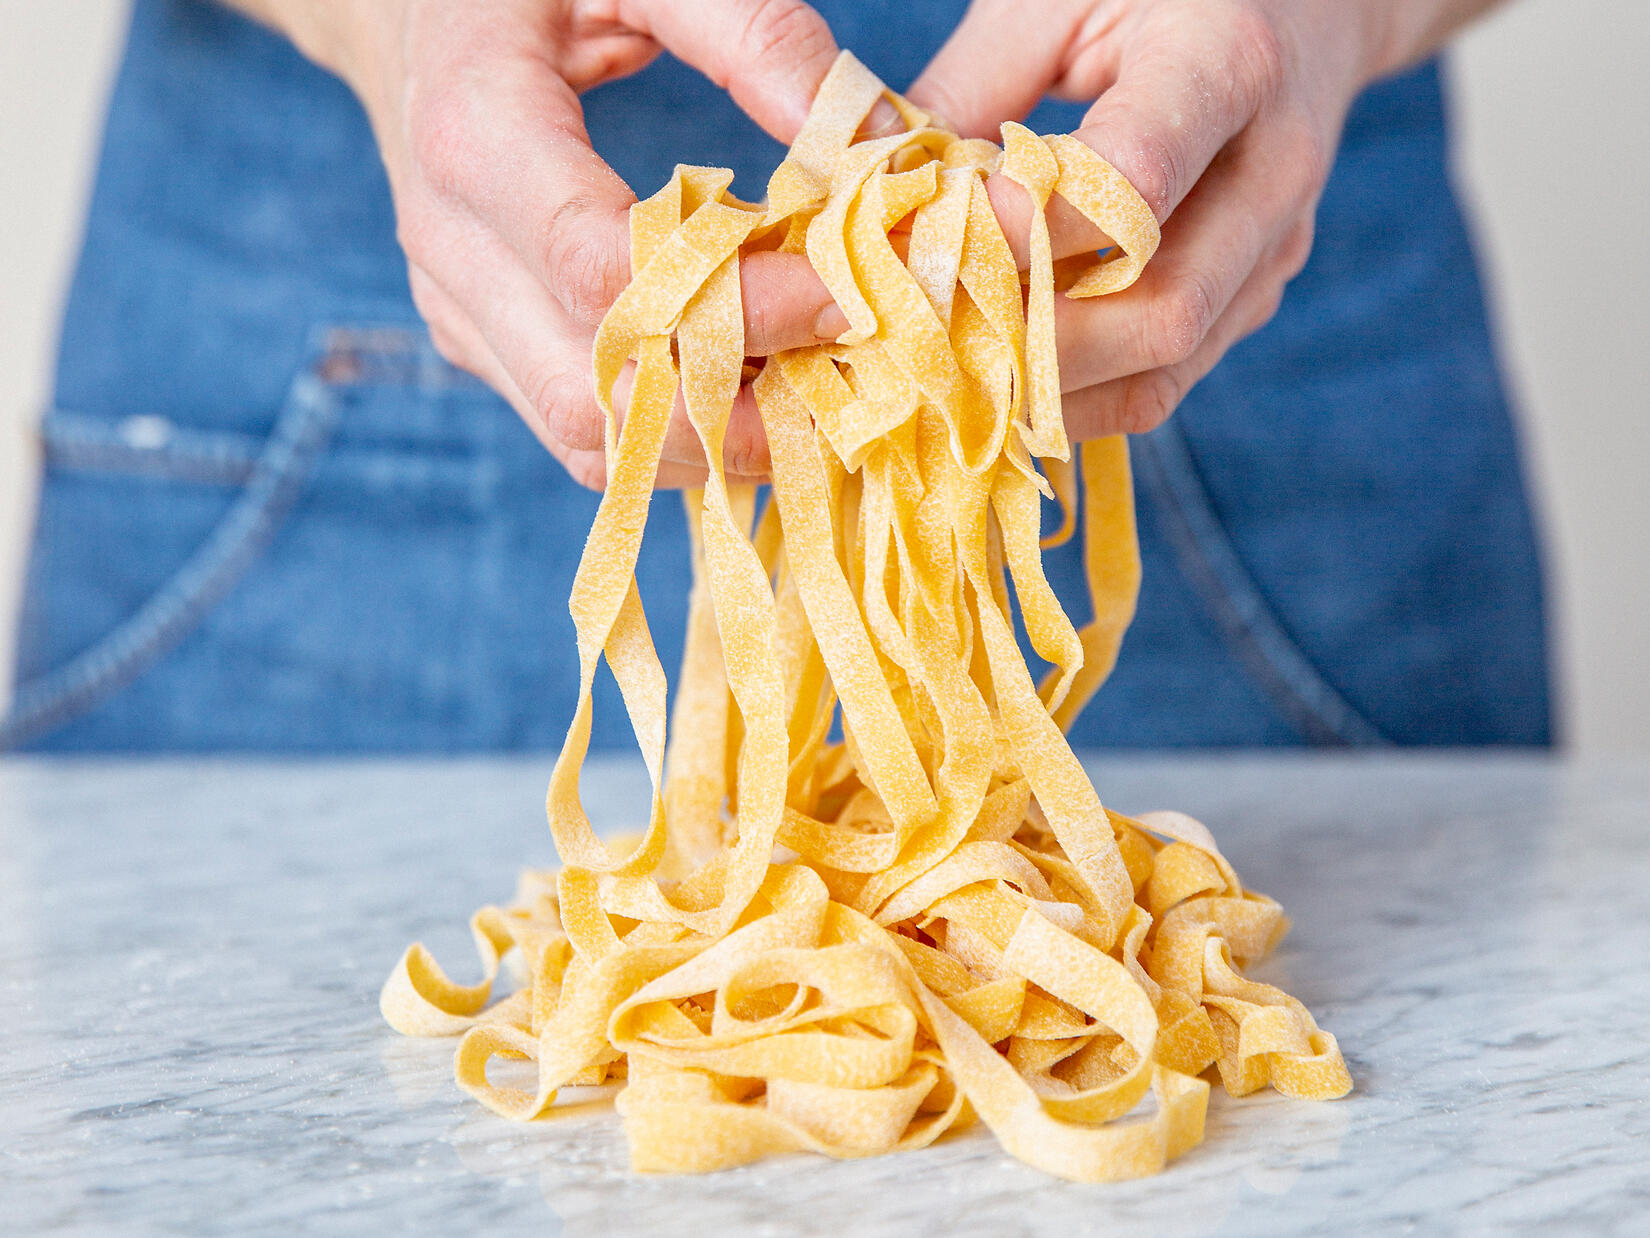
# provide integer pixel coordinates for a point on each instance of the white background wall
(1555, 158)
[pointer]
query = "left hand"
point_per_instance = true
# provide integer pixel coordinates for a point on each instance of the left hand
(1225, 114)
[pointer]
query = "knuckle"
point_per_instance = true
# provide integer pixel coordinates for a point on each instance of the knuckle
(1310, 160)
(941, 98)
(785, 28)
(584, 271)
(448, 348)
(746, 455)
(417, 231)
(1269, 308)
(563, 406)
(589, 471)
(1297, 248)
(1259, 51)
(1148, 159)
(1148, 400)
(1179, 321)
(759, 324)
(1259, 307)
(446, 335)
(1157, 174)
(443, 140)
(426, 294)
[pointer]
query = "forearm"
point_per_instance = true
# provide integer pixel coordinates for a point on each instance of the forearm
(1414, 29)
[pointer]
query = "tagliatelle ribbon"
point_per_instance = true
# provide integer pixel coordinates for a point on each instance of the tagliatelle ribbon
(854, 946)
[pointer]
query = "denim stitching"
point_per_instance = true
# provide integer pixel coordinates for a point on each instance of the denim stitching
(75, 441)
(239, 538)
(1211, 565)
(390, 356)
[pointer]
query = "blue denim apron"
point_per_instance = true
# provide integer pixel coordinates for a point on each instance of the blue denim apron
(273, 519)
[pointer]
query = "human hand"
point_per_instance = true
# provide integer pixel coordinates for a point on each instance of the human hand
(1225, 114)
(515, 230)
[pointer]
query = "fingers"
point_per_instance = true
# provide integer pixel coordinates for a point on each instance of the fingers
(461, 342)
(1069, 231)
(1175, 96)
(520, 342)
(996, 65)
(458, 341)
(516, 231)
(509, 147)
(542, 349)
(1158, 121)
(1249, 203)
(1141, 402)
(744, 442)
(1193, 109)
(769, 55)
(1179, 97)
(589, 469)
(786, 304)
(489, 315)
(511, 151)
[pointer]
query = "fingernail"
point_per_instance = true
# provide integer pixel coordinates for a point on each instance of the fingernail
(830, 323)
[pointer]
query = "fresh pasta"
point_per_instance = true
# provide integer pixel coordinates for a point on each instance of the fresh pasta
(877, 897)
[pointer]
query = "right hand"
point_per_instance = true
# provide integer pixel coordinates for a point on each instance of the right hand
(515, 230)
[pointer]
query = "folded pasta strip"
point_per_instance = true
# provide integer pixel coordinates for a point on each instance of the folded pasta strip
(853, 946)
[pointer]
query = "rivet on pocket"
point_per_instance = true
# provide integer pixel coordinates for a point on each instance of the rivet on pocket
(146, 432)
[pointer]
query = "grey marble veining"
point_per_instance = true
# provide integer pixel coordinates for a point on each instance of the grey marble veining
(190, 955)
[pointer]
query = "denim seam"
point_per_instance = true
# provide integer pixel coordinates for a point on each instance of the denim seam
(279, 473)
(1210, 563)
(78, 442)
(390, 355)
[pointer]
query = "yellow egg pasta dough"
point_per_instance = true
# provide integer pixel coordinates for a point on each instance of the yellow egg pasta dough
(877, 897)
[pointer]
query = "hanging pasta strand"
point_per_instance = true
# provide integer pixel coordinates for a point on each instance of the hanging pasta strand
(853, 947)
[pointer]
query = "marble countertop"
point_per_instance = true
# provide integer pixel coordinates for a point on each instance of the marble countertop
(190, 956)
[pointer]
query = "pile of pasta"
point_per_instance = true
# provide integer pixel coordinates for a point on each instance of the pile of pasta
(877, 896)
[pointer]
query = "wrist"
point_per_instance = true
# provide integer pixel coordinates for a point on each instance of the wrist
(341, 36)
(345, 37)
(1408, 31)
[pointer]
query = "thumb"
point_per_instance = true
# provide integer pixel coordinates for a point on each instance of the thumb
(997, 64)
(769, 55)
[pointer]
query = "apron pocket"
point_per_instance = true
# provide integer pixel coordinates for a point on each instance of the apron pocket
(1211, 566)
(143, 470)
(314, 588)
